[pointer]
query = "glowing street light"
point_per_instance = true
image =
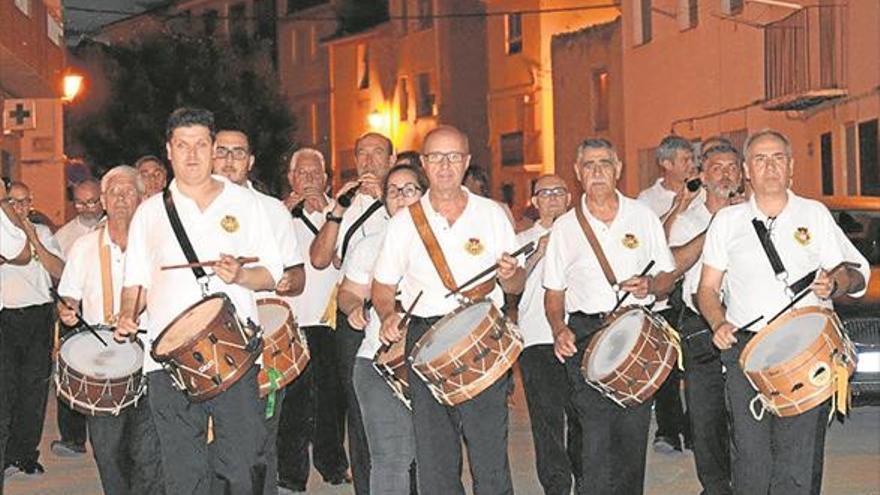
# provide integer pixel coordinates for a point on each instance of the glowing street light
(378, 121)
(72, 85)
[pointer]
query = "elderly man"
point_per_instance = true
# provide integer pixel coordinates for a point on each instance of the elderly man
(26, 322)
(153, 174)
(314, 404)
(779, 455)
(222, 222)
(544, 380)
(87, 201)
(627, 237)
(471, 233)
(345, 227)
(125, 446)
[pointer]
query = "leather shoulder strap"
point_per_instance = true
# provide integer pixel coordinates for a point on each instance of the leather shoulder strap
(432, 246)
(106, 277)
(594, 245)
(180, 233)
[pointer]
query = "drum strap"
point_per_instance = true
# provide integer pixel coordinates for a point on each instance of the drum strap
(776, 261)
(106, 276)
(182, 238)
(357, 224)
(435, 252)
(595, 246)
(301, 215)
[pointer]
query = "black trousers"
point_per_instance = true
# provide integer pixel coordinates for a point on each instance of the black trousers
(71, 424)
(234, 463)
(126, 450)
(482, 422)
(614, 438)
(26, 361)
(313, 412)
(557, 448)
(704, 395)
(348, 341)
(671, 419)
(269, 450)
(775, 456)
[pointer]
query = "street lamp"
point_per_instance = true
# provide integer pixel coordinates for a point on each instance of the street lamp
(72, 85)
(378, 121)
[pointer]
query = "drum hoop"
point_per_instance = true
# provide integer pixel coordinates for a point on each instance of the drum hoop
(762, 334)
(60, 361)
(115, 410)
(439, 323)
(602, 333)
(192, 339)
(290, 321)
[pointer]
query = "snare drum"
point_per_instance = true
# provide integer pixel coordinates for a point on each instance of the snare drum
(207, 349)
(795, 362)
(390, 362)
(631, 356)
(99, 380)
(285, 349)
(466, 351)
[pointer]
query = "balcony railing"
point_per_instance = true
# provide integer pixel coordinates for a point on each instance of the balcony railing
(805, 58)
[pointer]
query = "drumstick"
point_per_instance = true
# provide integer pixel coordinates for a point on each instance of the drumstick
(78, 315)
(526, 249)
(805, 292)
(622, 299)
(403, 321)
(241, 259)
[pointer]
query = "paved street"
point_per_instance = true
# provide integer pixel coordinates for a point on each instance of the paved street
(852, 464)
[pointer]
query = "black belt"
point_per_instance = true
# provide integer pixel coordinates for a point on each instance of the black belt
(588, 316)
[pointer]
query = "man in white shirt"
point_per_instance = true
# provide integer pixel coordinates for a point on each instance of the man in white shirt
(387, 421)
(87, 201)
(314, 404)
(721, 175)
(13, 249)
(125, 447)
(557, 454)
(153, 173)
(222, 222)
(26, 321)
(667, 196)
(579, 295)
(776, 454)
(472, 233)
(345, 227)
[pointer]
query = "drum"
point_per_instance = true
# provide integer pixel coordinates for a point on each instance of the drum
(284, 345)
(796, 361)
(390, 363)
(466, 351)
(206, 349)
(99, 380)
(631, 356)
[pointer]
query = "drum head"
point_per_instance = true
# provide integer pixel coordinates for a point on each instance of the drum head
(273, 316)
(447, 332)
(85, 354)
(616, 343)
(786, 341)
(189, 323)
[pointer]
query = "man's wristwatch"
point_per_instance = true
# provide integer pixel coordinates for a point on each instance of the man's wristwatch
(333, 218)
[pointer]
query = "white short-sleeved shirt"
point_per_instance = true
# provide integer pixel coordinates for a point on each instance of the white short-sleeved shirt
(81, 279)
(375, 223)
(634, 238)
(281, 223)
(532, 320)
(12, 241)
(657, 198)
(28, 285)
(806, 238)
(475, 242)
(359, 269)
(234, 223)
(309, 306)
(686, 226)
(70, 232)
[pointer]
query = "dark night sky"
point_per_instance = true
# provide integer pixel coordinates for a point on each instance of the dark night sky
(77, 22)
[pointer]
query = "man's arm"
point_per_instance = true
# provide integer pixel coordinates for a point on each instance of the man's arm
(688, 254)
(52, 263)
(130, 308)
(709, 301)
(292, 282)
(563, 338)
(323, 247)
(350, 300)
(383, 296)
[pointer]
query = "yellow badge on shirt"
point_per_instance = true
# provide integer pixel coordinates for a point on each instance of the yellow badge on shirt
(803, 236)
(229, 224)
(630, 241)
(474, 246)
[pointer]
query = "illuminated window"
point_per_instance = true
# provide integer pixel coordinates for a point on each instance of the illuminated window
(363, 67)
(601, 100)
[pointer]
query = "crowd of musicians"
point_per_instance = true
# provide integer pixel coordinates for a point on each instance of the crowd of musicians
(717, 244)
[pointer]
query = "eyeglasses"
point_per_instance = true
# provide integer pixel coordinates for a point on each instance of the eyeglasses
(408, 191)
(552, 192)
(237, 153)
(436, 157)
(22, 201)
(87, 204)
